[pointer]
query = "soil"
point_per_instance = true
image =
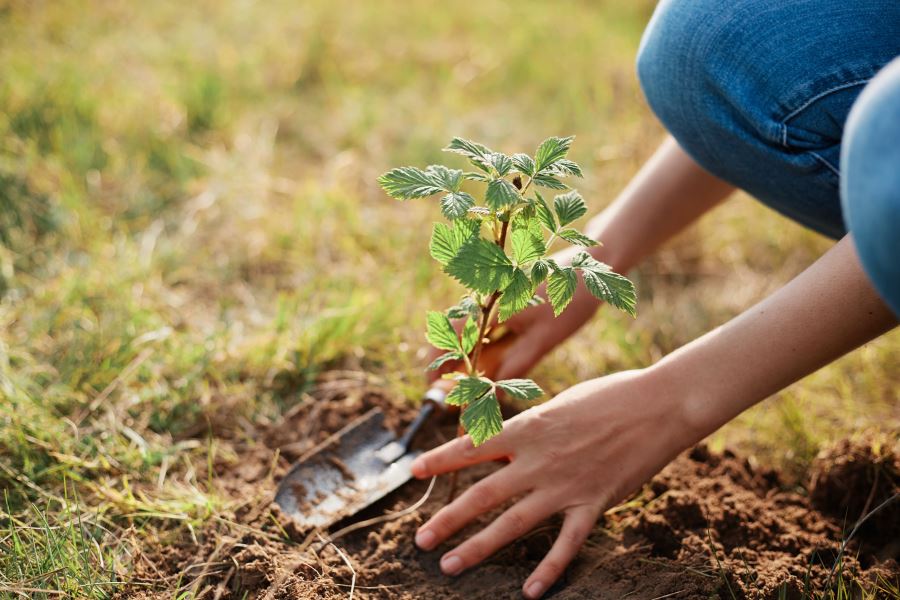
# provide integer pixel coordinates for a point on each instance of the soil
(710, 525)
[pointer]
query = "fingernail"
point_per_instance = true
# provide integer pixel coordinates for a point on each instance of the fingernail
(534, 589)
(418, 468)
(451, 565)
(425, 539)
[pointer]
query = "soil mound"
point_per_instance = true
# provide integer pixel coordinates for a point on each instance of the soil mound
(710, 525)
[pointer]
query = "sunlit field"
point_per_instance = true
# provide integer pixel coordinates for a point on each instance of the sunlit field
(191, 233)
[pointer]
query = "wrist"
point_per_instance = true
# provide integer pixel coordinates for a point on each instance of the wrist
(690, 415)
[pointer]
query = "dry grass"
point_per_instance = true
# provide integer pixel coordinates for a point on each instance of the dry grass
(190, 231)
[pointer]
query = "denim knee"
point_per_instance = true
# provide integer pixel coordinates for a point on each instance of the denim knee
(757, 91)
(870, 189)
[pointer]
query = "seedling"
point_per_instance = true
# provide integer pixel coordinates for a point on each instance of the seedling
(497, 249)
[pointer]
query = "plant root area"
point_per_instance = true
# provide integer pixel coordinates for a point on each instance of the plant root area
(710, 525)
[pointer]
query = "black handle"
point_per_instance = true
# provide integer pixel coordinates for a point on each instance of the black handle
(407, 438)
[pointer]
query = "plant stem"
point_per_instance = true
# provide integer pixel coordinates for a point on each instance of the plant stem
(487, 312)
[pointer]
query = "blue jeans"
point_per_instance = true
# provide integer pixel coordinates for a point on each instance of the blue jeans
(759, 92)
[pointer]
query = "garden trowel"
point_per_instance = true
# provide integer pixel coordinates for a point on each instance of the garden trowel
(353, 468)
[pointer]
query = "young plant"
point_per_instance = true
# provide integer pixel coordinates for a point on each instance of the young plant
(497, 248)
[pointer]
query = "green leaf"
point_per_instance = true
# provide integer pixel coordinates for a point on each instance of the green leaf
(536, 301)
(549, 181)
(521, 389)
(539, 271)
(478, 154)
(406, 183)
(446, 240)
(456, 205)
(605, 284)
(569, 206)
(448, 179)
(561, 287)
(468, 389)
(467, 307)
(474, 176)
(469, 335)
(481, 265)
(516, 295)
(575, 237)
(544, 213)
(500, 193)
(526, 246)
(444, 358)
(482, 419)
(440, 332)
(550, 151)
(523, 163)
(565, 166)
(501, 162)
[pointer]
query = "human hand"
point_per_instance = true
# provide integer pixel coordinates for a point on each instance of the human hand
(578, 454)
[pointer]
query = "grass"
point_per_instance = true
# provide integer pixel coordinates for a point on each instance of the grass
(190, 231)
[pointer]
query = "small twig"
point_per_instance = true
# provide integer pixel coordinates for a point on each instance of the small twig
(346, 562)
(381, 519)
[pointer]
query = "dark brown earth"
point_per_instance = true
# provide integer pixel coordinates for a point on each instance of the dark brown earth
(709, 526)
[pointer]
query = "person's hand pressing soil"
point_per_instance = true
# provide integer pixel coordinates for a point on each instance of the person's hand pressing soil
(577, 454)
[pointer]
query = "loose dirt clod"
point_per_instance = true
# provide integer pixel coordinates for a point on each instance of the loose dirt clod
(709, 525)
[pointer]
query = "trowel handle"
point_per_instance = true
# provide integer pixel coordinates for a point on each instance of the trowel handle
(434, 400)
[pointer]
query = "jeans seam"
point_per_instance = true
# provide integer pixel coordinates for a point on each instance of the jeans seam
(815, 98)
(822, 160)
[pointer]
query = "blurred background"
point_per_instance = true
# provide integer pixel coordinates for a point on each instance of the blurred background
(191, 233)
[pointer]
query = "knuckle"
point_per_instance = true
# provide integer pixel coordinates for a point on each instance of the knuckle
(474, 551)
(444, 522)
(553, 568)
(513, 524)
(575, 535)
(484, 495)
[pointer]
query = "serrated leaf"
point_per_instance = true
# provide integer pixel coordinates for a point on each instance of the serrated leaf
(516, 295)
(550, 151)
(442, 359)
(575, 237)
(561, 287)
(447, 179)
(501, 162)
(568, 207)
(406, 183)
(482, 419)
(481, 265)
(456, 205)
(469, 335)
(478, 154)
(605, 284)
(523, 163)
(446, 240)
(500, 194)
(468, 389)
(539, 271)
(440, 332)
(549, 181)
(544, 213)
(564, 166)
(474, 176)
(521, 389)
(467, 307)
(526, 246)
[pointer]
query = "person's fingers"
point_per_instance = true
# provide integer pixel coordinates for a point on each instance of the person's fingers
(485, 495)
(512, 524)
(459, 453)
(576, 527)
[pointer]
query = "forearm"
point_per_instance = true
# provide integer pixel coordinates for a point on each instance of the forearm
(826, 311)
(669, 193)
